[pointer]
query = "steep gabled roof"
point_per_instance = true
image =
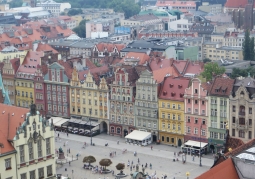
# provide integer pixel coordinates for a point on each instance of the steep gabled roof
(225, 170)
(221, 86)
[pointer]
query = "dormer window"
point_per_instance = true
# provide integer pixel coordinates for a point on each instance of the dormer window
(195, 91)
(216, 90)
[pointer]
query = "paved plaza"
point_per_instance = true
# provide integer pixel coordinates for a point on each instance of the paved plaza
(161, 158)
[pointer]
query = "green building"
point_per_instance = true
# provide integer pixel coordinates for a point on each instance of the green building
(218, 100)
(187, 52)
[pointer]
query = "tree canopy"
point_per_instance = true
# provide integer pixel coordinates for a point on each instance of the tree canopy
(129, 7)
(211, 69)
(236, 72)
(89, 159)
(248, 47)
(81, 29)
(120, 166)
(73, 12)
(15, 3)
(105, 162)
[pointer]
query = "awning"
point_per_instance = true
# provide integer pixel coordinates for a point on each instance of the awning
(95, 128)
(59, 123)
(94, 124)
(55, 119)
(193, 143)
(138, 135)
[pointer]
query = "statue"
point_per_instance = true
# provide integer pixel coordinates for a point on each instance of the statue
(60, 150)
(33, 110)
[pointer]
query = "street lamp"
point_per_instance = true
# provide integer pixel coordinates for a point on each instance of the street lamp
(90, 111)
(200, 145)
(187, 174)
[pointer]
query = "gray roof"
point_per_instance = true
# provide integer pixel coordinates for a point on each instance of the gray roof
(237, 64)
(128, 49)
(230, 48)
(153, 43)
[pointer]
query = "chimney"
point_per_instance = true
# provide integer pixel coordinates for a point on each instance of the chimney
(35, 46)
(83, 62)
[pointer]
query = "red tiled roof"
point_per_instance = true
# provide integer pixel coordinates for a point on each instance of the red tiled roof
(90, 64)
(158, 63)
(45, 48)
(221, 84)
(195, 68)
(44, 69)
(142, 57)
(15, 64)
(225, 170)
(11, 118)
(109, 47)
(95, 72)
(180, 65)
(30, 62)
(174, 88)
(68, 68)
(237, 3)
(160, 74)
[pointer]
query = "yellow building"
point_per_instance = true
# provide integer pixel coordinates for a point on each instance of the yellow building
(78, 19)
(11, 52)
(24, 79)
(89, 100)
(215, 51)
(171, 111)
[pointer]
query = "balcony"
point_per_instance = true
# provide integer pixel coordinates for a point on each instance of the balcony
(241, 113)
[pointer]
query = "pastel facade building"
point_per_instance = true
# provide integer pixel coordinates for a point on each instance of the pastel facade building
(241, 118)
(196, 111)
(218, 109)
(171, 110)
(122, 119)
(57, 91)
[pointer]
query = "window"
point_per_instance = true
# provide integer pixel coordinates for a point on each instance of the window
(203, 132)
(173, 116)
(179, 127)
(30, 150)
(203, 121)
(173, 126)
(196, 120)
(32, 174)
(233, 132)
(241, 134)
(49, 170)
(179, 106)
(250, 122)
(8, 164)
(173, 106)
(41, 173)
(172, 140)
(188, 119)
(195, 130)
(188, 100)
(250, 110)
(188, 129)
(203, 102)
(222, 125)
(168, 105)
(250, 134)
(22, 154)
(215, 135)
(233, 120)
(196, 102)
(168, 126)
(163, 125)
(163, 138)
(163, 105)
(167, 139)
(195, 91)
(163, 115)
(23, 176)
(39, 148)
(48, 146)
(233, 108)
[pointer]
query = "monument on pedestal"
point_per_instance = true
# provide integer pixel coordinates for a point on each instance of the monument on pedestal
(61, 154)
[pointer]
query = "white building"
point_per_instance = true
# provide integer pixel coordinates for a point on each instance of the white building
(181, 25)
(54, 7)
(27, 146)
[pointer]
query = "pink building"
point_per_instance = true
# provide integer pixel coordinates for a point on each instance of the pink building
(196, 114)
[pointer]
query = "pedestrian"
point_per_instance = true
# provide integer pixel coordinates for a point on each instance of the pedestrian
(67, 134)
(193, 158)
(132, 162)
(174, 154)
(151, 147)
(150, 166)
(142, 165)
(69, 150)
(130, 168)
(69, 163)
(138, 161)
(115, 153)
(58, 135)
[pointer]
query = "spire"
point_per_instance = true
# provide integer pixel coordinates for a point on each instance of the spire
(4, 92)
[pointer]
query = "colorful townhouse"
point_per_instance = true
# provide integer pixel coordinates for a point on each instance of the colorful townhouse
(8, 74)
(241, 102)
(171, 110)
(89, 100)
(218, 111)
(146, 104)
(39, 90)
(196, 111)
(57, 90)
(122, 101)
(24, 79)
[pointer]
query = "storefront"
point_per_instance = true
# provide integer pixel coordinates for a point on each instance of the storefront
(139, 138)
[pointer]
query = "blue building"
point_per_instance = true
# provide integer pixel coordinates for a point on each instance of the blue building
(122, 30)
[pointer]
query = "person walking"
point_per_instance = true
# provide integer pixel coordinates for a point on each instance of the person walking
(138, 161)
(69, 163)
(151, 147)
(58, 135)
(130, 168)
(150, 166)
(67, 134)
(193, 158)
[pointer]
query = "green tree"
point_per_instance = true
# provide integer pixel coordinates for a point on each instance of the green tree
(212, 69)
(120, 166)
(246, 45)
(15, 3)
(236, 72)
(252, 55)
(89, 159)
(73, 12)
(207, 60)
(81, 29)
(105, 163)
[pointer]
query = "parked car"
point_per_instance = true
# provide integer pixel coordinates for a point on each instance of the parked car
(75, 131)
